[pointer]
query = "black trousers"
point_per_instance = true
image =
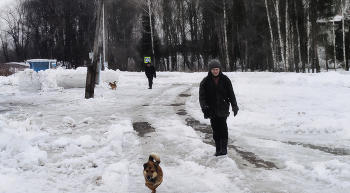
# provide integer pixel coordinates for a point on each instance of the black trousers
(150, 81)
(219, 127)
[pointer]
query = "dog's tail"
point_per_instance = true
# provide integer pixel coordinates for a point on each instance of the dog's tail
(154, 157)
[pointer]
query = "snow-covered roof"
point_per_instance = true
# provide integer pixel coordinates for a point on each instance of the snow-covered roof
(42, 60)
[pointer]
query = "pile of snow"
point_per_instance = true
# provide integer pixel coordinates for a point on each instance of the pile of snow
(56, 79)
(24, 144)
(18, 143)
(7, 84)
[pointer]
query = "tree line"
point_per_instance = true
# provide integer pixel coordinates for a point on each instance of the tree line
(181, 35)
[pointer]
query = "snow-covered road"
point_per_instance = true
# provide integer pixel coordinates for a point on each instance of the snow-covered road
(291, 134)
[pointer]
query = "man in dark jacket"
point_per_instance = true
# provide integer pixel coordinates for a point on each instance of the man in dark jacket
(215, 95)
(150, 72)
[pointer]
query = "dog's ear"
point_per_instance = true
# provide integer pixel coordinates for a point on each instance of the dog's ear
(150, 158)
(145, 166)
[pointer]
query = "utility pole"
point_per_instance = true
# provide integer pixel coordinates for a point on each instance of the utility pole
(150, 23)
(92, 69)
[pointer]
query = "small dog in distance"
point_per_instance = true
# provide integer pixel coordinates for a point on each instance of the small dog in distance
(113, 85)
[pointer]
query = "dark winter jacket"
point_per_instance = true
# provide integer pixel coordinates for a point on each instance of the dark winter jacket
(150, 71)
(215, 100)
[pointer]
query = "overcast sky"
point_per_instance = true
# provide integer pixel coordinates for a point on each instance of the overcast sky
(5, 2)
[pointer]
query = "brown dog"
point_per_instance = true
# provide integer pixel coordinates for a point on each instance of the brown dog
(153, 172)
(113, 85)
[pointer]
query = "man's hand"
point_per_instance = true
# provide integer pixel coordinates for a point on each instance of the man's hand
(235, 110)
(206, 112)
(205, 109)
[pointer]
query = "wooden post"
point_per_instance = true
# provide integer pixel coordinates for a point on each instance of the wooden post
(92, 69)
(90, 80)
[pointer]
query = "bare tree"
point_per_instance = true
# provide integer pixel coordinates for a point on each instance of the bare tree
(225, 37)
(276, 4)
(344, 7)
(150, 24)
(271, 34)
(286, 67)
(5, 46)
(17, 30)
(298, 36)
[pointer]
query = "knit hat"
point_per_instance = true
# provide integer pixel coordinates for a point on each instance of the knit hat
(214, 64)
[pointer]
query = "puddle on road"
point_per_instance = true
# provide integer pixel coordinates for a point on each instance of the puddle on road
(335, 151)
(143, 128)
(204, 128)
(181, 112)
(184, 95)
(248, 156)
(176, 104)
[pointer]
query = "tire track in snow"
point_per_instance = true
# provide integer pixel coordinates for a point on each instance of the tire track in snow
(331, 150)
(334, 151)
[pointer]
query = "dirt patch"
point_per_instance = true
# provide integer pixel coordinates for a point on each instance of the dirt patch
(181, 112)
(184, 95)
(143, 128)
(204, 128)
(177, 104)
(253, 159)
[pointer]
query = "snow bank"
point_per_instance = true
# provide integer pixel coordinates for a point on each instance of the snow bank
(7, 84)
(114, 138)
(20, 141)
(17, 144)
(84, 141)
(56, 79)
(332, 172)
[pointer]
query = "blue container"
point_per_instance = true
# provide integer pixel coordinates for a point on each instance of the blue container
(41, 64)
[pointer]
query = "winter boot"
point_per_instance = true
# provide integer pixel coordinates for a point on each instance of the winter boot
(223, 146)
(218, 148)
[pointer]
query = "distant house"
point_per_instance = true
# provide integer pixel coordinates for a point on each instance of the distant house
(333, 48)
(42, 64)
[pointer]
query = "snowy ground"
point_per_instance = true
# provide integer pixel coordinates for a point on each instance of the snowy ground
(292, 133)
